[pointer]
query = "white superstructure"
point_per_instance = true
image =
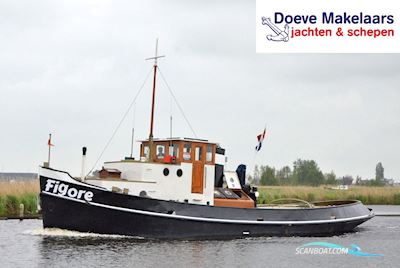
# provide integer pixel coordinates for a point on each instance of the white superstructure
(181, 170)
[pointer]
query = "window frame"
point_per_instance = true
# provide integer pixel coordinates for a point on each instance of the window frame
(212, 161)
(191, 151)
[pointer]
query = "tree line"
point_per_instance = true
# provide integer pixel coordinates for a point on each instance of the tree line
(307, 172)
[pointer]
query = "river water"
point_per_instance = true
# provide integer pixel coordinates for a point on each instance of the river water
(27, 244)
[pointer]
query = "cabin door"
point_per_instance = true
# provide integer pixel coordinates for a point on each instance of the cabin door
(198, 169)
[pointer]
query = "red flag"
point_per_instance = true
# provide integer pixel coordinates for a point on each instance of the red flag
(49, 142)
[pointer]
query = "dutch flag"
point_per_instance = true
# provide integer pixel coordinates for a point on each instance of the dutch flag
(260, 139)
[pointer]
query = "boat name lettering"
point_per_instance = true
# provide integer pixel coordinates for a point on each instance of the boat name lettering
(64, 189)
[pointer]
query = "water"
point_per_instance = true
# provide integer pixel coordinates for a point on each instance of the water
(27, 244)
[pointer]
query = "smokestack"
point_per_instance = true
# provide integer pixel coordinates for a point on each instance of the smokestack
(83, 163)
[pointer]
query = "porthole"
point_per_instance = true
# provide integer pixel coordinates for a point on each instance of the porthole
(179, 173)
(166, 171)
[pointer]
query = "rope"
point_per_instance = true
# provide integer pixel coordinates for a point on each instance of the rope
(120, 122)
(177, 103)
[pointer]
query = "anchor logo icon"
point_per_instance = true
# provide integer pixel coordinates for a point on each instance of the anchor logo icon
(280, 35)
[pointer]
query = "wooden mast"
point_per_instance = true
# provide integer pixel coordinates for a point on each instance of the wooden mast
(151, 157)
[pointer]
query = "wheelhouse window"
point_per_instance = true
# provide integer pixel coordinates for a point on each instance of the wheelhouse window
(198, 153)
(146, 152)
(187, 151)
(209, 153)
(160, 149)
(174, 150)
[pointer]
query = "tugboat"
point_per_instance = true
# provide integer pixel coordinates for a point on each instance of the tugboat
(179, 189)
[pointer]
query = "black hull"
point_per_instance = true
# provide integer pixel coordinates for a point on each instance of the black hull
(113, 213)
(87, 218)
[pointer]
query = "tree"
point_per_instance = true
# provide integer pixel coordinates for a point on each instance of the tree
(358, 180)
(283, 175)
(256, 174)
(379, 172)
(372, 182)
(307, 172)
(330, 178)
(347, 180)
(250, 179)
(268, 176)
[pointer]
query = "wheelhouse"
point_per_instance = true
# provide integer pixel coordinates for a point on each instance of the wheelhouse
(198, 153)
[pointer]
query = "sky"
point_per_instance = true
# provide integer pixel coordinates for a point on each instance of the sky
(72, 68)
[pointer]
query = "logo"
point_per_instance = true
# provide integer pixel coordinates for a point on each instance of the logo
(312, 26)
(62, 189)
(323, 248)
(280, 35)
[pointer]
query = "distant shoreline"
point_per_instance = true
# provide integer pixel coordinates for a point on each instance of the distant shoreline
(17, 176)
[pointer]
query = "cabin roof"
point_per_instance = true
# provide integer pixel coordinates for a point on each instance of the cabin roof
(179, 139)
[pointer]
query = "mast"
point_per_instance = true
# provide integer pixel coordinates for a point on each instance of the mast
(153, 102)
(49, 144)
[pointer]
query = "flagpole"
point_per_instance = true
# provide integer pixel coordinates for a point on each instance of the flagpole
(49, 144)
(254, 166)
(260, 139)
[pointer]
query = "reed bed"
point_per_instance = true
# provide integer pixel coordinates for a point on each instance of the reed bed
(14, 193)
(367, 195)
(19, 187)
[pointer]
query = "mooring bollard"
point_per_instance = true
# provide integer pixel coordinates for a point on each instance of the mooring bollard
(21, 212)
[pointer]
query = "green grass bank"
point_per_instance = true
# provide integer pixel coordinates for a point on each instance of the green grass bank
(12, 194)
(367, 195)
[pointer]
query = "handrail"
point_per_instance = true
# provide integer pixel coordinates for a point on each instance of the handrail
(292, 199)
